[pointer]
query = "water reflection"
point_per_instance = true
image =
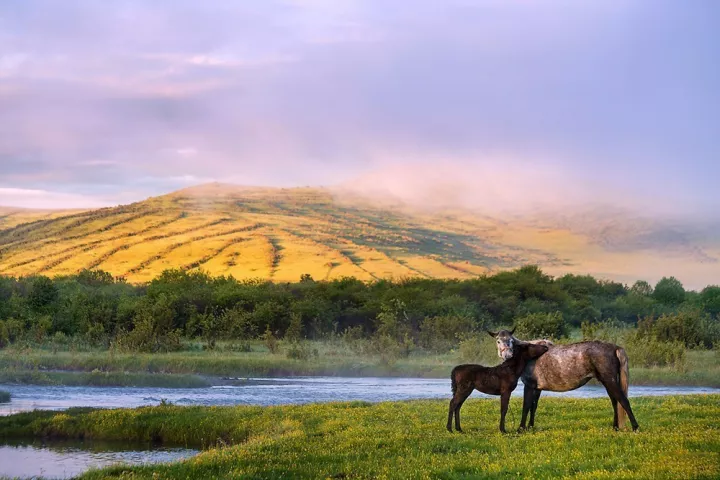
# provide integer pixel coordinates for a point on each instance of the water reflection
(65, 459)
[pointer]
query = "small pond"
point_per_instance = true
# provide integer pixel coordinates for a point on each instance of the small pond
(65, 459)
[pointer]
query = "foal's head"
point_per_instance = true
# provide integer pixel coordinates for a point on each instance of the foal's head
(505, 342)
(529, 351)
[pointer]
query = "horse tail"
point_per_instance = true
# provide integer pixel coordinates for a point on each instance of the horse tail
(624, 379)
(453, 381)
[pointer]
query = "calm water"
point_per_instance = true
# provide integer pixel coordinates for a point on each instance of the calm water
(274, 391)
(68, 459)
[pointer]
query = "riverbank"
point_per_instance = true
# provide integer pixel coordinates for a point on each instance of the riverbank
(186, 368)
(678, 438)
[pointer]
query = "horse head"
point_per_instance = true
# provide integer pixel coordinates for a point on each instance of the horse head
(505, 342)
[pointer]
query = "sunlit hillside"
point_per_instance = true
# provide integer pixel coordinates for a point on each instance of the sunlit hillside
(280, 234)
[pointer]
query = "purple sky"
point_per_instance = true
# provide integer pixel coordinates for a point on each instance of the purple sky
(524, 101)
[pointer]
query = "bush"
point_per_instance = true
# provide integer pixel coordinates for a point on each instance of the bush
(541, 325)
(294, 331)
(147, 336)
(478, 349)
(612, 331)
(243, 347)
(301, 351)
(270, 341)
(237, 324)
(388, 348)
(691, 327)
(644, 351)
(4, 335)
(443, 332)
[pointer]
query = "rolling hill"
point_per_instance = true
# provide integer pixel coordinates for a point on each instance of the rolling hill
(280, 234)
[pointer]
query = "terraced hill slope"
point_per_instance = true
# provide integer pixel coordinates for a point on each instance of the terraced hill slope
(280, 234)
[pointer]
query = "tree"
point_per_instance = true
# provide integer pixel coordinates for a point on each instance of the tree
(641, 288)
(541, 325)
(669, 291)
(710, 299)
(43, 293)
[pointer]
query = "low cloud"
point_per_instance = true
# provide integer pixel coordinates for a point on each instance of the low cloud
(43, 199)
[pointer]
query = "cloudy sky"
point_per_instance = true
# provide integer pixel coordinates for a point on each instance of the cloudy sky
(612, 101)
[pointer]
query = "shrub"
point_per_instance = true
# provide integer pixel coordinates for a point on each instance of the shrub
(4, 335)
(301, 351)
(691, 327)
(478, 349)
(270, 341)
(294, 331)
(612, 331)
(148, 336)
(237, 324)
(238, 347)
(15, 328)
(541, 325)
(441, 333)
(644, 351)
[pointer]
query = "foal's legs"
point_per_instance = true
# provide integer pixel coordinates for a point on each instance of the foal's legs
(504, 402)
(457, 401)
(616, 395)
(536, 399)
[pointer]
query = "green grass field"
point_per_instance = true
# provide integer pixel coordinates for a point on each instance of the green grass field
(334, 358)
(281, 234)
(679, 437)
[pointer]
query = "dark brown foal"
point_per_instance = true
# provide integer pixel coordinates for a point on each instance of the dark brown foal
(500, 380)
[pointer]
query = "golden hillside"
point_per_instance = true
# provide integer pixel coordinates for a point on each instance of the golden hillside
(280, 234)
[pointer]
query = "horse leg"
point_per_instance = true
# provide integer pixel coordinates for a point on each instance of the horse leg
(504, 402)
(616, 394)
(461, 396)
(536, 399)
(528, 393)
(615, 413)
(450, 414)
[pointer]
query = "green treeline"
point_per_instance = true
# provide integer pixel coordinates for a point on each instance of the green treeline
(415, 313)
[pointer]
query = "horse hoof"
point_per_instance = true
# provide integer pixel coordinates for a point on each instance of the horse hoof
(449, 429)
(521, 430)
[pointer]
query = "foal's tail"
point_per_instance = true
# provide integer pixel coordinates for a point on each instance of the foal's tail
(624, 379)
(453, 382)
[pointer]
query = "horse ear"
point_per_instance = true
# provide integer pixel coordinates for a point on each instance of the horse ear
(513, 330)
(491, 333)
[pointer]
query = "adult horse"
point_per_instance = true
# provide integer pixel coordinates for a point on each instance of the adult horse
(567, 367)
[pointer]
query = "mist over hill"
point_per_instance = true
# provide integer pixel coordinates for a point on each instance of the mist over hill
(281, 234)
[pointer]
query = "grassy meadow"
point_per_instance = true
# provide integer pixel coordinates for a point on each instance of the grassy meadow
(281, 234)
(679, 437)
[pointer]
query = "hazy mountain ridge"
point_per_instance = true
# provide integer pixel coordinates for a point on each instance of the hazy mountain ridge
(280, 234)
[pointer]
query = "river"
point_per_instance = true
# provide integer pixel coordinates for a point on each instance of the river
(276, 391)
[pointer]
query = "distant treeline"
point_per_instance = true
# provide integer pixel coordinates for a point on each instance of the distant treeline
(103, 310)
